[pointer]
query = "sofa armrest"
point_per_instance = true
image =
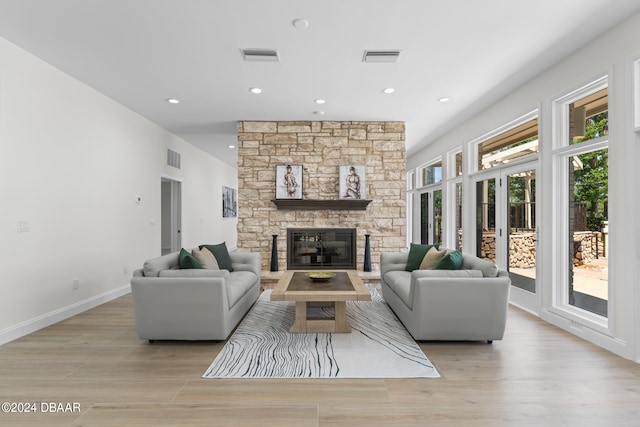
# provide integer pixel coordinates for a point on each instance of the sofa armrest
(457, 293)
(246, 261)
(481, 301)
(152, 296)
(178, 307)
(392, 261)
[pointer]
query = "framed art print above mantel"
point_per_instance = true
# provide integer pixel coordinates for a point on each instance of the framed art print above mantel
(288, 182)
(352, 182)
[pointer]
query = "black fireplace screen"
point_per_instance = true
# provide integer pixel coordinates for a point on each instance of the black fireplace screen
(321, 248)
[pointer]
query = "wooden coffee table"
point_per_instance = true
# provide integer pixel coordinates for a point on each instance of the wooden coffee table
(346, 286)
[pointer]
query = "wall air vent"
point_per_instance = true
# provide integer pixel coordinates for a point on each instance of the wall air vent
(260, 55)
(381, 56)
(173, 158)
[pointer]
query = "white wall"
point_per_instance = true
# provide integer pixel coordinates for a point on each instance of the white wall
(72, 162)
(609, 53)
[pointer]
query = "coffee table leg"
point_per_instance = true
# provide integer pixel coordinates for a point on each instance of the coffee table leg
(342, 325)
(300, 324)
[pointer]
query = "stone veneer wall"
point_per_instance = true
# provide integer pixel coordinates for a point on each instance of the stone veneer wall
(321, 147)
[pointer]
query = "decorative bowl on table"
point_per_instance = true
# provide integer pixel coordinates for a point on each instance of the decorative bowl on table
(320, 276)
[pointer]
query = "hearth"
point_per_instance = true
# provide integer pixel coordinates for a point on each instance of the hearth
(321, 248)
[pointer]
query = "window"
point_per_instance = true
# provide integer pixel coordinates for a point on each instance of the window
(458, 168)
(581, 159)
(431, 173)
(431, 217)
(458, 214)
(430, 176)
(511, 145)
(453, 211)
(589, 117)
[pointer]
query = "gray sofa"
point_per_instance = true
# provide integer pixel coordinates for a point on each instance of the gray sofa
(193, 304)
(469, 304)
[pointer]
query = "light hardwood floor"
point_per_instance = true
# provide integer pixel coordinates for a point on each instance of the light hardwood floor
(538, 375)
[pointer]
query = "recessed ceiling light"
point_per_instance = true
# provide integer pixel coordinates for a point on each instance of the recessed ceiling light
(255, 90)
(319, 101)
(232, 146)
(388, 90)
(301, 24)
(444, 99)
(173, 101)
(319, 112)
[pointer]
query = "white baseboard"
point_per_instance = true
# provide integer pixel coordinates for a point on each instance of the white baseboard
(14, 332)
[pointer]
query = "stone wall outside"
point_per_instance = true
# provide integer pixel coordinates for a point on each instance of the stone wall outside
(321, 147)
(587, 246)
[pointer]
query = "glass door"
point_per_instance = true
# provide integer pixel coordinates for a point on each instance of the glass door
(506, 229)
(486, 242)
(521, 229)
(431, 217)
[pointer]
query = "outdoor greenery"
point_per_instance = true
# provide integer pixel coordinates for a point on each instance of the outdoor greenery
(592, 181)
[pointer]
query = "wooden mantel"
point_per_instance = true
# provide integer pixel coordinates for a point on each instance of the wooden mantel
(312, 205)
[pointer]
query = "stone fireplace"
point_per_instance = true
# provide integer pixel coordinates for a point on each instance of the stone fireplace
(321, 148)
(321, 248)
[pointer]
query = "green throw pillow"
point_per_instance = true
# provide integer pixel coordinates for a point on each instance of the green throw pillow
(222, 255)
(186, 260)
(416, 255)
(451, 261)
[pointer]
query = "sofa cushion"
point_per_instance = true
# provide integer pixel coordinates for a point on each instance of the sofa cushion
(451, 261)
(221, 253)
(152, 267)
(472, 262)
(432, 258)
(186, 260)
(205, 258)
(194, 273)
(416, 255)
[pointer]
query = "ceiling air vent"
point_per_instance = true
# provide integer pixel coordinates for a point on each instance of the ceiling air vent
(173, 158)
(260, 55)
(381, 56)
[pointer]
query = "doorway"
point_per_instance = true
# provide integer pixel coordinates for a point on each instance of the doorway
(431, 217)
(506, 228)
(171, 215)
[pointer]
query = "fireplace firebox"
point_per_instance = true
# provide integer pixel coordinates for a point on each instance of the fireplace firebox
(321, 248)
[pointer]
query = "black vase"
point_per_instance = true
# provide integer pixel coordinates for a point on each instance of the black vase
(274, 253)
(367, 253)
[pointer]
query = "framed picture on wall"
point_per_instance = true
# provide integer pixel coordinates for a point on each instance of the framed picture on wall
(352, 182)
(229, 202)
(289, 182)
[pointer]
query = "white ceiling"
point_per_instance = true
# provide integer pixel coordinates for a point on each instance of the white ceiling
(141, 52)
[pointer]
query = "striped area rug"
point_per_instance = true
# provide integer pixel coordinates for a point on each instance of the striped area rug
(378, 347)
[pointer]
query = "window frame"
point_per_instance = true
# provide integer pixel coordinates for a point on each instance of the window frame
(562, 150)
(409, 195)
(449, 231)
(634, 73)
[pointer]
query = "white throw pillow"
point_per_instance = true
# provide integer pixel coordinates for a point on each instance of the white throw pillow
(205, 258)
